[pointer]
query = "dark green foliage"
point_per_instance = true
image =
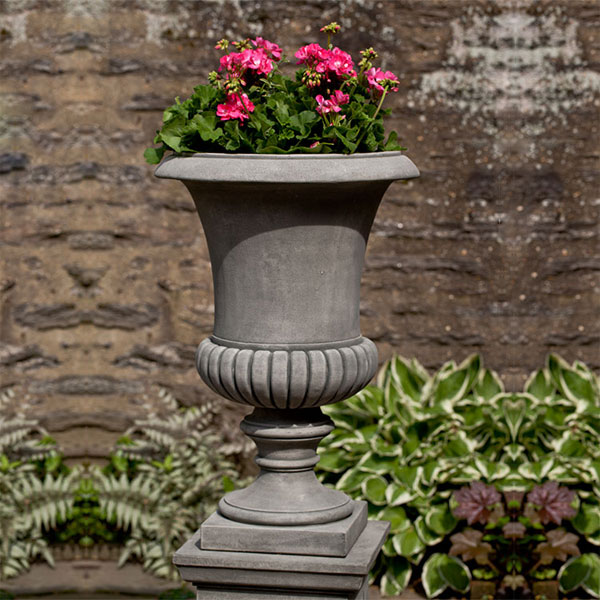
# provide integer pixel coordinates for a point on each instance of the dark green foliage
(284, 121)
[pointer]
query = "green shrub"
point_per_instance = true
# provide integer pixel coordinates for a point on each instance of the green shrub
(165, 478)
(35, 492)
(406, 444)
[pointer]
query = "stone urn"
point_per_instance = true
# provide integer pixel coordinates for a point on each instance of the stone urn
(287, 236)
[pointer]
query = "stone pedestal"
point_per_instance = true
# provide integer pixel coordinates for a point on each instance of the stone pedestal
(220, 575)
(286, 535)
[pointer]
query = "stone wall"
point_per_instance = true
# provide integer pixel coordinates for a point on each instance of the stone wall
(105, 279)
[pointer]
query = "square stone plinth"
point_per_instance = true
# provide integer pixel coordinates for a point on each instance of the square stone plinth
(328, 539)
(220, 575)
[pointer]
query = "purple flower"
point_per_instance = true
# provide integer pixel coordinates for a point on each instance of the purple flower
(475, 502)
(553, 502)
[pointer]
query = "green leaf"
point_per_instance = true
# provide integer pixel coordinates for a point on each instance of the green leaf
(455, 573)
(453, 385)
(440, 519)
(352, 479)
(405, 378)
(392, 142)
(154, 155)
(433, 582)
(374, 489)
(398, 494)
(427, 535)
(536, 471)
(513, 409)
(206, 125)
(407, 542)
(351, 146)
(587, 520)
(396, 577)
(205, 94)
(396, 515)
(334, 460)
(407, 476)
(228, 484)
(491, 471)
(592, 584)
(571, 383)
(574, 573)
(380, 465)
(120, 463)
(172, 133)
(488, 385)
(539, 385)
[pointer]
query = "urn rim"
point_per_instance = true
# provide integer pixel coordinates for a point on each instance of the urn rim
(288, 168)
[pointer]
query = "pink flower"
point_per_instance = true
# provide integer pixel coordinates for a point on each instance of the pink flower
(339, 62)
(235, 107)
(236, 63)
(272, 49)
(326, 106)
(340, 98)
(337, 99)
(231, 62)
(376, 77)
(308, 54)
(257, 60)
(475, 502)
(327, 62)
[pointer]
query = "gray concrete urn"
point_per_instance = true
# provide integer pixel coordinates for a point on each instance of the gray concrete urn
(287, 236)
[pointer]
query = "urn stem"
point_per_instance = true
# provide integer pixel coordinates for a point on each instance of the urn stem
(286, 492)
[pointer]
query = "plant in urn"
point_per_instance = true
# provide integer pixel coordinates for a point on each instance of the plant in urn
(287, 177)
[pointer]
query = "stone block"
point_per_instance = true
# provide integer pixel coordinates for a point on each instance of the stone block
(327, 539)
(260, 576)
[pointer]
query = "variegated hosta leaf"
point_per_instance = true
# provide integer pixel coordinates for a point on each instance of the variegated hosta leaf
(396, 577)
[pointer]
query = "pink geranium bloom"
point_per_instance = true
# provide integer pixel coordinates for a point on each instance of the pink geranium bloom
(340, 98)
(339, 62)
(324, 61)
(326, 106)
(257, 60)
(272, 49)
(230, 62)
(235, 107)
(308, 54)
(376, 77)
(337, 99)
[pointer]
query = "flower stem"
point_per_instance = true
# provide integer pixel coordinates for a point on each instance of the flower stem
(362, 135)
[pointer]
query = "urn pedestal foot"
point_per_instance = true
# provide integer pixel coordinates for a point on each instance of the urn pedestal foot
(219, 575)
(286, 492)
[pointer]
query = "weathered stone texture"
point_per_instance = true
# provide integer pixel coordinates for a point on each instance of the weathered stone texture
(105, 279)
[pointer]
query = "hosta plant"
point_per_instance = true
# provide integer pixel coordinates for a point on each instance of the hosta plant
(250, 106)
(406, 444)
